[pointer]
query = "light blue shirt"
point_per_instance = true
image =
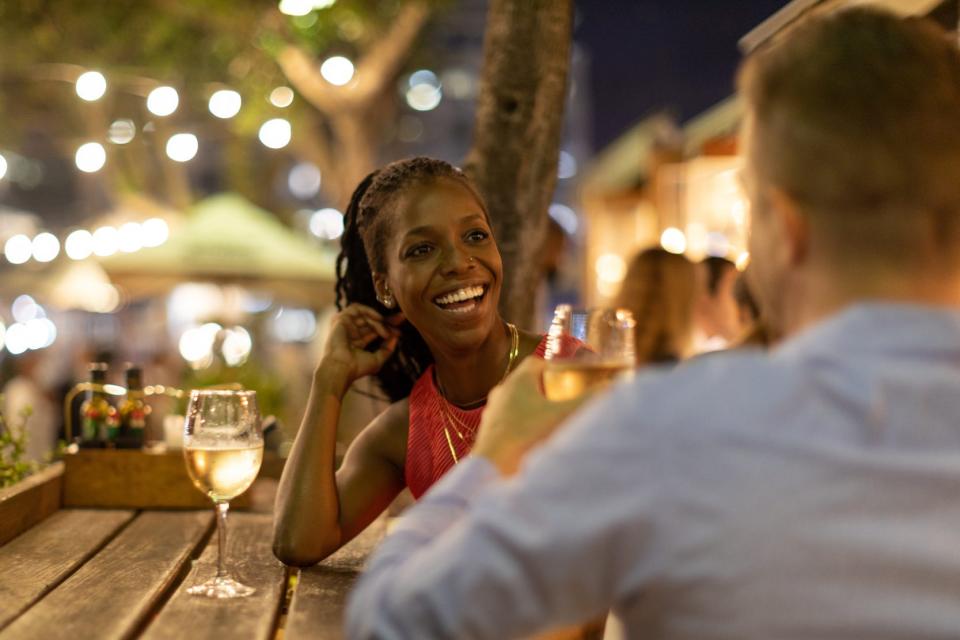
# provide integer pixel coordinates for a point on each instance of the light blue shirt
(810, 493)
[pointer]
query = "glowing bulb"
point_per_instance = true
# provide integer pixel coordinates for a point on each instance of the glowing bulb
(131, 237)
(424, 97)
(18, 249)
(611, 268)
(155, 232)
(182, 147)
(281, 97)
(46, 247)
(121, 131)
(304, 180)
(673, 240)
(91, 86)
(163, 101)
(17, 338)
(275, 133)
(296, 7)
(106, 241)
(79, 244)
(91, 157)
(225, 103)
(337, 70)
(327, 224)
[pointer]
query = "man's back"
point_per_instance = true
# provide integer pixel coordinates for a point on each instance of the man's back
(809, 494)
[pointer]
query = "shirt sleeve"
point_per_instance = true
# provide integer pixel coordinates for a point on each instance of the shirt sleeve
(482, 557)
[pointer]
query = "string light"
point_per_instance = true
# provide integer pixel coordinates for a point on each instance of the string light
(225, 103)
(275, 133)
(337, 70)
(90, 157)
(163, 101)
(91, 86)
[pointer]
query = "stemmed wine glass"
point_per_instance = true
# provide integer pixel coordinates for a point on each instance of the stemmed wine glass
(587, 349)
(223, 448)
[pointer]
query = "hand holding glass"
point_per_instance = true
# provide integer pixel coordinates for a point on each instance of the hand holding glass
(587, 350)
(223, 448)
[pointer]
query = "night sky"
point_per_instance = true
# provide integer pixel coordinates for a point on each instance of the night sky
(646, 55)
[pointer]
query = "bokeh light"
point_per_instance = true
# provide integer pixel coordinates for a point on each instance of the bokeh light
(163, 101)
(154, 232)
(275, 133)
(79, 244)
(424, 97)
(17, 338)
(121, 131)
(106, 241)
(91, 157)
(565, 217)
(337, 70)
(327, 224)
(225, 103)
(182, 147)
(236, 346)
(91, 86)
(294, 325)
(304, 180)
(281, 97)
(131, 237)
(18, 249)
(45, 247)
(3, 167)
(673, 240)
(567, 166)
(25, 308)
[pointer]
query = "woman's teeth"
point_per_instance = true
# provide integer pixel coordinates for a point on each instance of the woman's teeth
(461, 295)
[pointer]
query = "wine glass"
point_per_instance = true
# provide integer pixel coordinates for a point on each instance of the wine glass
(587, 349)
(223, 448)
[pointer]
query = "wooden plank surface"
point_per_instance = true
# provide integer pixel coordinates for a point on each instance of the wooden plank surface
(133, 479)
(37, 561)
(114, 592)
(250, 561)
(29, 501)
(317, 608)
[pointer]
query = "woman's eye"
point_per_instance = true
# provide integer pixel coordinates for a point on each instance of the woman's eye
(477, 235)
(418, 251)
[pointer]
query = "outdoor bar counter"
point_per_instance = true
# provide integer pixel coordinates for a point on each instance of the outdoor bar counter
(75, 573)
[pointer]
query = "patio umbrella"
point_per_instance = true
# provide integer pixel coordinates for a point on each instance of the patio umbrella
(226, 239)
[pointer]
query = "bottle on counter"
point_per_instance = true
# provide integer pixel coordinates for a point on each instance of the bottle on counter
(99, 419)
(133, 412)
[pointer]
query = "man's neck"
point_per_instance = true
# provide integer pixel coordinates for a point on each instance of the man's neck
(823, 293)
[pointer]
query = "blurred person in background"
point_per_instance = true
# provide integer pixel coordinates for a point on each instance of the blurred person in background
(805, 492)
(718, 318)
(26, 390)
(661, 290)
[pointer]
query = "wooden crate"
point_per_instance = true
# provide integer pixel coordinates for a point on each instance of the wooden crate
(132, 479)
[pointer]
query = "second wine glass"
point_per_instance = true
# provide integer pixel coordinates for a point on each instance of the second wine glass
(587, 349)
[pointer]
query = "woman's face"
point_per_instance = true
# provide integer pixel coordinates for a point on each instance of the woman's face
(443, 266)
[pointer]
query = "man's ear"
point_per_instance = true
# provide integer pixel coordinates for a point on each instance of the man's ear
(794, 226)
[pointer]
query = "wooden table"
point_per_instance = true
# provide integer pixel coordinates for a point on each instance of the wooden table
(117, 573)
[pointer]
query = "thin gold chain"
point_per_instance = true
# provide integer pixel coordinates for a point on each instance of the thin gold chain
(446, 412)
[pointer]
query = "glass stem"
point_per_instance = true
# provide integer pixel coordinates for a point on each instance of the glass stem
(221, 508)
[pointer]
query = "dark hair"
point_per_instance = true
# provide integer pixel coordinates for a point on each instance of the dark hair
(716, 267)
(365, 233)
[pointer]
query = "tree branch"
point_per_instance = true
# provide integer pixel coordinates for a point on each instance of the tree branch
(382, 62)
(302, 71)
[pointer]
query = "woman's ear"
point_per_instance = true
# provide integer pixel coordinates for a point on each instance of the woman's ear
(384, 295)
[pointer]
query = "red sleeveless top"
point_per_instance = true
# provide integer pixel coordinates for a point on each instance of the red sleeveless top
(428, 452)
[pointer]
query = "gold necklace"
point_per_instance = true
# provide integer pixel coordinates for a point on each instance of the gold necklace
(446, 412)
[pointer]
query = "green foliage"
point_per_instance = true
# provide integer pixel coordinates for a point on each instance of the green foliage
(13, 442)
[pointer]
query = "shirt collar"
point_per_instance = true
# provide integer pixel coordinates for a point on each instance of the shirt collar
(880, 327)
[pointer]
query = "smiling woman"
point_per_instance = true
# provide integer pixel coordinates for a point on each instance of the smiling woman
(419, 279)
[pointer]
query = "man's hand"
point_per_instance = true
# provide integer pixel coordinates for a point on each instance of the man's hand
(518, 417)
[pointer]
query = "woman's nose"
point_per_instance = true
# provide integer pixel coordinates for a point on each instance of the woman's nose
(456, 259)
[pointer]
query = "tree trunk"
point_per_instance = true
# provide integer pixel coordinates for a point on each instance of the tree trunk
(517, 135)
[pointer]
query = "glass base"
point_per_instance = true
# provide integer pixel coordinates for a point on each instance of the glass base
(225, 587)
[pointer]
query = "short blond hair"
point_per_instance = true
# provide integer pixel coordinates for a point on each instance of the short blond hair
(857, 117)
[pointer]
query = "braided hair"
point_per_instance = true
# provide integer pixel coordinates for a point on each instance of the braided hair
(362, 251)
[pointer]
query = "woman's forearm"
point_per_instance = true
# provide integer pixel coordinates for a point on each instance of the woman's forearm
(306, 513)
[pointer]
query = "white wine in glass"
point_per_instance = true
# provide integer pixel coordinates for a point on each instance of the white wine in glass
(587, 350)
(223, 448)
